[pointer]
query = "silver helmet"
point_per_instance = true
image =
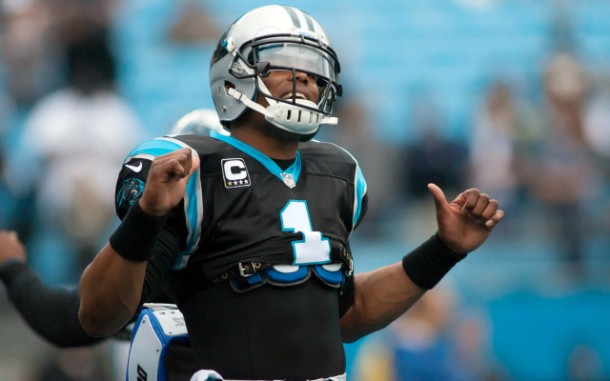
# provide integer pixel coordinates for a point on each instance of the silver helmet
(271, 38)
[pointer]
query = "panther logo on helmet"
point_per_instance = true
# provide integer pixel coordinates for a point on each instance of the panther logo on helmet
(269, 38)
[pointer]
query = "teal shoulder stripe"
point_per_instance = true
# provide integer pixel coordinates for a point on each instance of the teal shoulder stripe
(193, 210)
(156, 147)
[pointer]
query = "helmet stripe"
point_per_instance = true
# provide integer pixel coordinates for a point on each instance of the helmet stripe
(301, 19)
(293, 16)
(310, 23)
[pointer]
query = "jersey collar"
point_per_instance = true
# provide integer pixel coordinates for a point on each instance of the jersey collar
(289, 177)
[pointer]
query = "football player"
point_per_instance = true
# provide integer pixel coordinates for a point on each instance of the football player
(252, 231)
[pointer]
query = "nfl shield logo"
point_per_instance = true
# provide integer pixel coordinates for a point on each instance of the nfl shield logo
(288, 180)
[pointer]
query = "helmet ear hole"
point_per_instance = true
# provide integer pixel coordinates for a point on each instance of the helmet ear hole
(228, 85)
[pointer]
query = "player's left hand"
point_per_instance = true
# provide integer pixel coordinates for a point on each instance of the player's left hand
(466, 222)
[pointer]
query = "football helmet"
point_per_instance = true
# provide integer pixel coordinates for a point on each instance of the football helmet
(201, 121)
(266, 39)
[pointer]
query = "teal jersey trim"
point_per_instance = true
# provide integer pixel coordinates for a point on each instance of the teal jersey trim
(360, 192)
(294, 170)
(155, 147)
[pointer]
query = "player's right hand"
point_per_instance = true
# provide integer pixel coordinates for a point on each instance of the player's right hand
(167, 179)
(11, 247)
(467, 221)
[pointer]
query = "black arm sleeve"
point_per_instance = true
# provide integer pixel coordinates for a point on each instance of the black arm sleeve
(50, 312)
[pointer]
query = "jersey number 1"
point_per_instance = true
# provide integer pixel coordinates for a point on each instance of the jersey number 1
(313, 248)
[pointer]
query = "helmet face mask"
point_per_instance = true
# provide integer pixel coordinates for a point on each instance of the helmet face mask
(268, 39)
(280, 52)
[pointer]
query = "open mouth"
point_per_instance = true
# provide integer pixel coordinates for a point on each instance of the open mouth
(296, 95)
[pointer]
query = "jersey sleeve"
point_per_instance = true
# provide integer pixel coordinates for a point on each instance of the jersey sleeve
(130, 184)
(360, 198)
(50, 312)
(186, 217)
(359, 209)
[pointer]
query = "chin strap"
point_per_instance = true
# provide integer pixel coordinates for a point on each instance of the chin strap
(289, 117)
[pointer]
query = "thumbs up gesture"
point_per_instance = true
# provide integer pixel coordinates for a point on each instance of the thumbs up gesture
(466, 222)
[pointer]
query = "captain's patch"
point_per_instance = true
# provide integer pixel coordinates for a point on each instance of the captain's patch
(235, 173)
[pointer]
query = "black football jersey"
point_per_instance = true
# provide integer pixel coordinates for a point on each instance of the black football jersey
(241, 207)
(245, 223)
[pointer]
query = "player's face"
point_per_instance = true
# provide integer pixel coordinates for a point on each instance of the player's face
(280, 85)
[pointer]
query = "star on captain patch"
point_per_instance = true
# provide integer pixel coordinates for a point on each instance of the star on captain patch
(288, 180)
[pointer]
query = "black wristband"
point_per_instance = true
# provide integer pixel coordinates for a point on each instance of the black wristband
(428, 264)
(135, 238)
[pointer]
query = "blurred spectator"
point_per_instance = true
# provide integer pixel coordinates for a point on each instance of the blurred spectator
(501, 125)
(67, 13)
(29, 50)
(563, 174)
(193, 25)
(75, 138)
(429, 343)
(15, 212)
(355, 135)
(585, 364)
(422, 349)
(432, 156)
(597, 121)
(75, 364)
(597, 138)
(7, 198)
(491, 146)
(473, 358)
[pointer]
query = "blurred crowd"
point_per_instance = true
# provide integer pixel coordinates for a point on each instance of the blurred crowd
(546, 160)
(61, 157)
(65, 128)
